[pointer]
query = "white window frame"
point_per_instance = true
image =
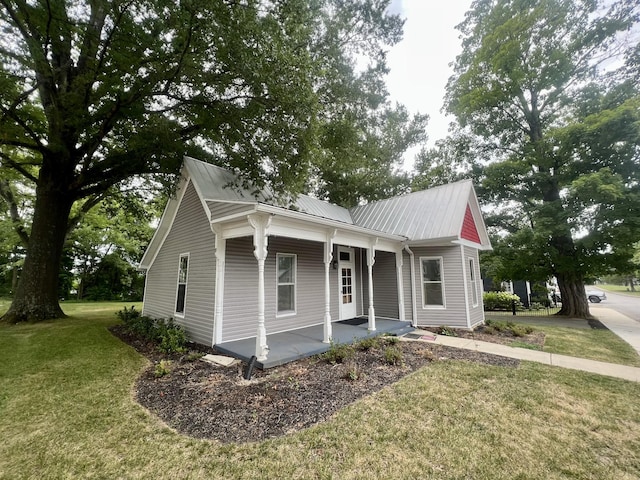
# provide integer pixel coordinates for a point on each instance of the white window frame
(185, 283)
(422, 282)
(473, 281)
(287, 313)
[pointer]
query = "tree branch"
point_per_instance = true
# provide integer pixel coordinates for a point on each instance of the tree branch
(7, 194)
(17, 166)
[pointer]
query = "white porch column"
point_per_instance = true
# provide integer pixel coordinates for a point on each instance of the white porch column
(260, 224)
(399, 263)
(220, 245)
(371, 259)
(328, 257)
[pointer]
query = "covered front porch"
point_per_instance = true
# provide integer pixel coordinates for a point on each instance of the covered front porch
(293, 345)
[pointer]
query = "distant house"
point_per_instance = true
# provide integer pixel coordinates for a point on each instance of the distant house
(228, 264)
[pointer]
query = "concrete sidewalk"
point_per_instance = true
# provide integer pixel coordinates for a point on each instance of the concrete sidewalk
(623, 326)
(554, 359)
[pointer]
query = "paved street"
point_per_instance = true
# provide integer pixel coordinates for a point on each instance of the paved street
(624, 304)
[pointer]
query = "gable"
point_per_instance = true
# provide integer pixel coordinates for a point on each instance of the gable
(469, 230)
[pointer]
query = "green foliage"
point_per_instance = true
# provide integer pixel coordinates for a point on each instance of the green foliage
(270, 89)
(515, 329)
(353, 371)
(162, 368)
(169, 337)
(500, 301)
(557, 135)
(339, 353)
(447, 331)
(393, 355)
(368, 343)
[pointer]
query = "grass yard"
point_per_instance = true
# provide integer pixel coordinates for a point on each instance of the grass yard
(66, 411)
(619, 289)
(602, 345)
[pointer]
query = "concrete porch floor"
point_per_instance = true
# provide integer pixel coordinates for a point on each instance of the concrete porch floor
(304, 342)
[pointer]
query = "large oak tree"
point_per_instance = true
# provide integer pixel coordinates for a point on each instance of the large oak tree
(93, 92)
(561, 133)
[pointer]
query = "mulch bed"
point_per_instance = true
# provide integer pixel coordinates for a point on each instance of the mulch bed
(535, 339)
(216, 402)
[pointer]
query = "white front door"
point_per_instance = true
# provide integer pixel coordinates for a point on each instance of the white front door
(347, 279)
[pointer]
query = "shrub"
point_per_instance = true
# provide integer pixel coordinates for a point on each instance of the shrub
(500, 301)
(393, 355)
(171, 338)
(391, 340)
(162, 368)
(493, 326)
(368, 344)
(353, 371)
(339, 352)
(447, 331)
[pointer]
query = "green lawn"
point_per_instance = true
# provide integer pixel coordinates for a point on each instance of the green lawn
(67, 411)
(619, 289)
(602, 345)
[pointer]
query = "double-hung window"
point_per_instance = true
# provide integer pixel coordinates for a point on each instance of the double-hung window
(432, 282)
(286, 283)
(473, 283)
(183, 274)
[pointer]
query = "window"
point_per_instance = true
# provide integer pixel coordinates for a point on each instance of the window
(183, 273)
(286, 283)
(473, 284)
(432, 283)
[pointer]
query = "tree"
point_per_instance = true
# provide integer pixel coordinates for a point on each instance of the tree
(563, 173)
(93, 93)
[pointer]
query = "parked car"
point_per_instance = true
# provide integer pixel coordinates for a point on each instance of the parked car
(596, 296)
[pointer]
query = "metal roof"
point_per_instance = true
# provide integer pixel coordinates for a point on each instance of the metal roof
(215, 184)
(425, 215)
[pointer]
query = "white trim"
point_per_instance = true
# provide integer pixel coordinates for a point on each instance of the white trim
(473, 281)
(178, 283)
(287, 313)
(442, 283)
(465, 286)
(412, 284)
(352, 265)
(400, 283)
(218, 308)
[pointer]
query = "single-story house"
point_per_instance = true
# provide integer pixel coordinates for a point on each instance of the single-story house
(229, 264)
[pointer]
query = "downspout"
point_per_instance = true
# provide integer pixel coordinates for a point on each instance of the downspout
(414, 308)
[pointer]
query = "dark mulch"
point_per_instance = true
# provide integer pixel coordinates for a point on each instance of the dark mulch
(215, 402)
(535, 339)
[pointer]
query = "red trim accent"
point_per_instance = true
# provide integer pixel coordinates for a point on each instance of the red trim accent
(469, 230)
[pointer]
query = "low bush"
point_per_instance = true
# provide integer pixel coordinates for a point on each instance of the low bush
(169, 337)
(447, 331)
(500, 301)
(517, 330)
(393, 356)
(339, 352)
(368, 344)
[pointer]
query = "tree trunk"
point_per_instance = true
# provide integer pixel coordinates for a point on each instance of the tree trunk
(574, 297)
(36, 297)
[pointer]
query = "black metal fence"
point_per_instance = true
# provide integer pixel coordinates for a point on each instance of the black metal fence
(518, 310)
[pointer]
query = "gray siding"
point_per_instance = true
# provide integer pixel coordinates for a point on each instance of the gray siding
(455, 313)
(476, 314)
(241, 287)
(385, 285)
(190, 233)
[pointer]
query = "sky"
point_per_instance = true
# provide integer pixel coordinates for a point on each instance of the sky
(420, 62)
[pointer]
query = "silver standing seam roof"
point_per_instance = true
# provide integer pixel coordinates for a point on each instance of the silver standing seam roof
(436, 213)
